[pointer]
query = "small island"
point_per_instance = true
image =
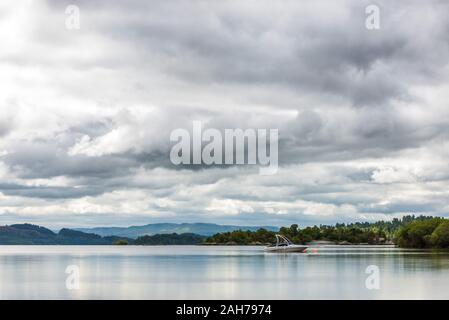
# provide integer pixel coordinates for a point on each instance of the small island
(170, 239)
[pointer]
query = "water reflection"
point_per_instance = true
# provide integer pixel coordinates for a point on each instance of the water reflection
(189, 272)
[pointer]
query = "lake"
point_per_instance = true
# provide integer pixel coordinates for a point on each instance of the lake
(221, 272)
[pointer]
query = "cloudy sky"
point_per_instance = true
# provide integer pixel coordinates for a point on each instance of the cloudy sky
(86, 114)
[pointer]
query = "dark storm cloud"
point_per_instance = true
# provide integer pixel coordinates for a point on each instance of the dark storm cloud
(6, 123)
(222, 44)
(44, 192)
(409, 206)
(4, 129)
(43, 161)
(369, 132)
(325, 50)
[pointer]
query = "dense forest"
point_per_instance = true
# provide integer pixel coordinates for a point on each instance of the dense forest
(409, 231)
(170, 239)
(431, 233)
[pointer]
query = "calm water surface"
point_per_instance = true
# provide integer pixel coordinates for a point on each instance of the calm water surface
(196, 272)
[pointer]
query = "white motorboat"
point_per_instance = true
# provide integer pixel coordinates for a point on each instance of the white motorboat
(283, 244)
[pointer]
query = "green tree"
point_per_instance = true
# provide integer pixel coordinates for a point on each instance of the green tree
(440, 236)
(417, 234)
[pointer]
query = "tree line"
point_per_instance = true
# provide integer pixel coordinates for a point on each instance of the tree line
(409, 231)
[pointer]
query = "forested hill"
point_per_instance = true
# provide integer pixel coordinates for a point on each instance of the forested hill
(29, 234)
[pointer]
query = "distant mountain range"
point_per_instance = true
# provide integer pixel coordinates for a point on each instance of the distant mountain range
(151, 234)
(29, 234)
(204, 229)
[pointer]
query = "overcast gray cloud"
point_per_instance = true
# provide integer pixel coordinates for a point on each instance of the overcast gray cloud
(86, 114)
